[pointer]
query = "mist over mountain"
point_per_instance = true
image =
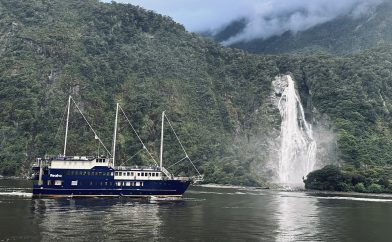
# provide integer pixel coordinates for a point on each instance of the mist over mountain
(263, 18)
(281, 26)
(344, 34)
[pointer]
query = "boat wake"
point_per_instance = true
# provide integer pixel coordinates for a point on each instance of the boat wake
(206, 192)
(220, 186)
(362, 199)
(15, 193)
(156, 198)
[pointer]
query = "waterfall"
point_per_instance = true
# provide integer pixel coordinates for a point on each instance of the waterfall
(297, 154)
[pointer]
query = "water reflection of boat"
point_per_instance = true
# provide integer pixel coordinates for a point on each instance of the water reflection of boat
(96, 176)
(97, 219)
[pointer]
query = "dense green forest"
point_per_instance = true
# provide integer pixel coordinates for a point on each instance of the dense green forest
(365, 179)
(107, 53)
(217, 98)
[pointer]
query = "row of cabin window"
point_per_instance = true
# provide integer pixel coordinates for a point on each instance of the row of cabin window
(91, 183)
(75, 183)
(129, 184)
(89, 173)
(119, 173)
(100, 160)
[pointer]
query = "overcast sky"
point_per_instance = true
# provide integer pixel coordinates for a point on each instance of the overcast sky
(265, 17)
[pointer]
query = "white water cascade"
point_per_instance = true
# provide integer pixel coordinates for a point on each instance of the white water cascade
(297, 154)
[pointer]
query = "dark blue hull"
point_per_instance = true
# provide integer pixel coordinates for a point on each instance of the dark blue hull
(161, 188)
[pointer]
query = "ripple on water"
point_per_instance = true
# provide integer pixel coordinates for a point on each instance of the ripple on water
(204, 214)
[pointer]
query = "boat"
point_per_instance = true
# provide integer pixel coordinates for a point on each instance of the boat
(99, 176)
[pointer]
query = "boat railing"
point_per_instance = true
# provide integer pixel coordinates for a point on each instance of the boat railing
(149, 168)
(48, 158)
(68, 157)
(44, 162)
(78, 158)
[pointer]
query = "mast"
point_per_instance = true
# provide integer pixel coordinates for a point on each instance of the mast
(115, 135)
(161, 157)
(66, 127)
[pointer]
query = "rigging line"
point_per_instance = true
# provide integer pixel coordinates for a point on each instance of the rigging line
(182, 145)
(144, 146)
(194, 166)
(132, 156)
(62, 118)
(177, 162)
(91, 127)
(58, 128)
(176, 135)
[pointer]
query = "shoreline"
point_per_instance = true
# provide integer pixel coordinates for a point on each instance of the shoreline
(310, 192)
(351, 194)
(271, 188)
(13, 178)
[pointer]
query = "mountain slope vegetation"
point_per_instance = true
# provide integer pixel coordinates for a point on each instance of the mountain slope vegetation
(107, 53)
(218, 99)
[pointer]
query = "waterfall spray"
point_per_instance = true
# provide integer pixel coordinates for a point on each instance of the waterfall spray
(297, 155)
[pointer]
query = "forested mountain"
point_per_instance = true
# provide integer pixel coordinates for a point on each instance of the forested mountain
(219, 99)
(346, 34)
(107, 53)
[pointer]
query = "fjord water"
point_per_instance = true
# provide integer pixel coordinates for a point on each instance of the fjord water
(205, 214)
(297, 155)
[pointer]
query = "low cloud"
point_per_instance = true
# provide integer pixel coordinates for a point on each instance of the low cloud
(264, 18)
(274, 17)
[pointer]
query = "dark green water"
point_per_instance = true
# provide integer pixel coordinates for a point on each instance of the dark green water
(205, 214)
